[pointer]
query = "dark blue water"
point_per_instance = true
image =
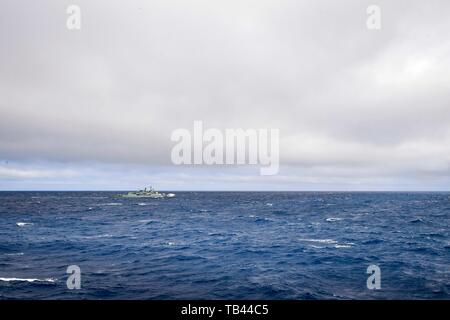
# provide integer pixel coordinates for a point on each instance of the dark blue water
(218, 245)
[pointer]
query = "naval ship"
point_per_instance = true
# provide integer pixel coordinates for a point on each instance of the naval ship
(147, 193)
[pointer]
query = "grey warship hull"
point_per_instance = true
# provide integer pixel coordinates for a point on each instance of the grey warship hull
(152, 194)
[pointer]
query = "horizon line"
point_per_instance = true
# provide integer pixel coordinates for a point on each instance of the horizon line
(203, 190)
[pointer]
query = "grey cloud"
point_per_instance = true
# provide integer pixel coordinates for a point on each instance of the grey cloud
(341, 95)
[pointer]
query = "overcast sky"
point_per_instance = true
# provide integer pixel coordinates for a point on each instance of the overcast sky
(94, 108)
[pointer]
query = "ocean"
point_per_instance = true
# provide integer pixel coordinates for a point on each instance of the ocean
(225, 245)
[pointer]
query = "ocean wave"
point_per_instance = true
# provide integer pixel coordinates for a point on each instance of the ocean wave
(333, 219)
(14, 254)
(133, 252)
(23, 224)
(147, 221)
(326, 241)
(106, 235)
(372, 241)
(260, 219)
(341, 246)
(50, 280)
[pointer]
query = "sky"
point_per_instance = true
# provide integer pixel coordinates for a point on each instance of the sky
(94, 109)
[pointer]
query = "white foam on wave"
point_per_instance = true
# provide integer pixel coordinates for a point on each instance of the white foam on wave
(51, 280)
(327, 241)
(23, 224)
(14, 254)
(342, 246)
(112, 204)
(147, 221)
(333, 219)
(106, 235)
